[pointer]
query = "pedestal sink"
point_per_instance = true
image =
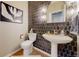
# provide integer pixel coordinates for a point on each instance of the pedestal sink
(56, 39)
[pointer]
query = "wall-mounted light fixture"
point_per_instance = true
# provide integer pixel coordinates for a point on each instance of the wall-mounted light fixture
(43, 9)
(42, 13)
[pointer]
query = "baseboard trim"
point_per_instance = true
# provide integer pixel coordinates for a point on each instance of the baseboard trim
(10, 54)
(42, 51)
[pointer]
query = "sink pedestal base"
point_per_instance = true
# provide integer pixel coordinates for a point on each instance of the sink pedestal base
(53, 50)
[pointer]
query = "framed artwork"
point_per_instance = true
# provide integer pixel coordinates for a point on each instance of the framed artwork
(0, 10)
(9, 13)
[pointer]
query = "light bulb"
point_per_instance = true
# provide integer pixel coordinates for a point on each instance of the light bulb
(43, 17)
(43, 9)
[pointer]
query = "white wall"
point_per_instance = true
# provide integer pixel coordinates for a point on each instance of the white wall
(10, 32)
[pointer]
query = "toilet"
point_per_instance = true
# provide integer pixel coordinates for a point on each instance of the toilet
(28, 44)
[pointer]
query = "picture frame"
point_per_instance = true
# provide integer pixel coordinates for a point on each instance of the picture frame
(10, 13)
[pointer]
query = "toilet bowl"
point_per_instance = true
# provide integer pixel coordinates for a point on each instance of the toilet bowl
(28, 44)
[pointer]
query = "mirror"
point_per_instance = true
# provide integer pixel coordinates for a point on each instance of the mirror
(56, 12)
(56, 17)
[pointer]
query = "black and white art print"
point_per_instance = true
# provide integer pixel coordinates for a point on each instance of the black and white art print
(10, 14)
(0, 10)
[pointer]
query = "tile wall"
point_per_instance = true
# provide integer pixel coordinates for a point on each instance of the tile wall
(64, 50)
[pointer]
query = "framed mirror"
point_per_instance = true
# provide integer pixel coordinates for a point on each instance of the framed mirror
(56, 17)
(56, 12)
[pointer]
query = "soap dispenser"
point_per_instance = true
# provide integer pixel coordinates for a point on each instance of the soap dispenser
(48, 32)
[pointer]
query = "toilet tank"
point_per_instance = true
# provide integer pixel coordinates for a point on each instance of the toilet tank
(32, 36)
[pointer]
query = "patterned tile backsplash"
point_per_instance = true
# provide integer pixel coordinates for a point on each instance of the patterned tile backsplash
(64, 50)
(44, 28)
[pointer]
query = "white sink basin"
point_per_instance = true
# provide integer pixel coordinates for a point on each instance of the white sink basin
(56, 39)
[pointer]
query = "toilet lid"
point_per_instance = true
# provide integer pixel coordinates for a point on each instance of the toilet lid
(26, 43)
